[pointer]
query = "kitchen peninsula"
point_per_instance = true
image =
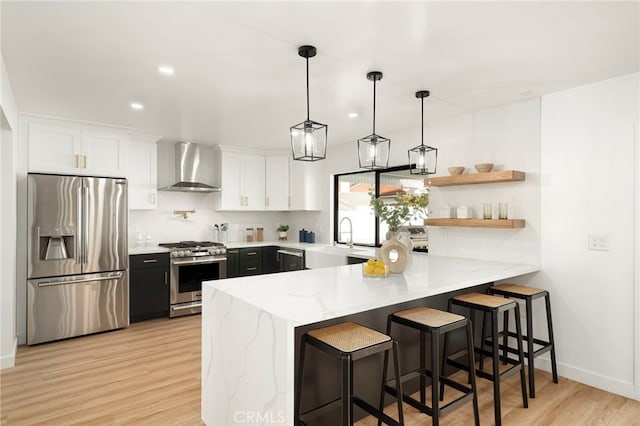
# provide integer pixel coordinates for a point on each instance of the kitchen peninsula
(251, 325)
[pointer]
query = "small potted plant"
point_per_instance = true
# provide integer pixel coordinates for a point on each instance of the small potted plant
(282, 232)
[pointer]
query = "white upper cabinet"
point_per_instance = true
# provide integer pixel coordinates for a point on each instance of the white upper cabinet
(305, 185)
(143, 177)
(253, 180)
(104, 153)
(54, 148)
(277, 182)
(241, 177)
(68, 148)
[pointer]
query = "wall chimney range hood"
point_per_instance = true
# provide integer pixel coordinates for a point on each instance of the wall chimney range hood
(185, 167)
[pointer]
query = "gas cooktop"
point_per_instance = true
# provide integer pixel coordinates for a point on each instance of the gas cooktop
(190, 244)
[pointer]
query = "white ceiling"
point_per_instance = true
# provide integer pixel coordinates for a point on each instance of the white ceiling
(240, 81)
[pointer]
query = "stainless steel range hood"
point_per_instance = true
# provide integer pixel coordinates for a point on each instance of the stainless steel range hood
(186, 167)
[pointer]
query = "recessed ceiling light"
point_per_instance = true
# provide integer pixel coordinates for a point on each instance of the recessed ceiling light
(166, 70)
(136, 106)
(353, 115)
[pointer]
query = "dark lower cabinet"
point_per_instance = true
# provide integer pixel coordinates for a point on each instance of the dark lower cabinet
(242, 262)
(233, 263)
(148, 286)
(250, 261)
(270, 263)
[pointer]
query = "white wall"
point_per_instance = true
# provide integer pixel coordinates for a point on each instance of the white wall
(508, 136)
(164, 226)
(589, 180)
(8, 160)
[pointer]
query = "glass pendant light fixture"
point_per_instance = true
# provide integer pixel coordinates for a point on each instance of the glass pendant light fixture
(373, 150)
(423, 159)
(309, 138)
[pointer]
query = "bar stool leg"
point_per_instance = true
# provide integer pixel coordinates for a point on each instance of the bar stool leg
(523, 380)
(296, 413)
(530, 354)
(385, 366)
(396, 367)
(423, 366)
(554, 368)
(496, 368)
(435, 378)
(472, 376)
(505, 338)
(347, 390)
(483, 334)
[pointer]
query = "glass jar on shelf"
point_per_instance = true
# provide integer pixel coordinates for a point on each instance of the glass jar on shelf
(249, 235)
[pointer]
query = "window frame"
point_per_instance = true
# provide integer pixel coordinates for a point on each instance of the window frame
(336, 193)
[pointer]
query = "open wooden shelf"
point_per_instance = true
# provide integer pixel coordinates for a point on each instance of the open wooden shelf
(474, 178)
(477, 223)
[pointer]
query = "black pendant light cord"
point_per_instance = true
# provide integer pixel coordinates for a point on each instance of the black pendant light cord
(422, 135)
(374, 107)
(307, 88)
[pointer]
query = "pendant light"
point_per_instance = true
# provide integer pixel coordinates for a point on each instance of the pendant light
(373, 150)
(423, 159)
(309, 138)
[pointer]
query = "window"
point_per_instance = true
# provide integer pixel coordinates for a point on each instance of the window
(351, 200)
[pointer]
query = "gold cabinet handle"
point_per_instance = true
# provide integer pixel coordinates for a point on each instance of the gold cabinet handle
(289, 201)
(77, 160)
(253, 253)
(253, 268)
(84, 161)
(165, 278)
(150, 261)
(153, 198)
(267, 201)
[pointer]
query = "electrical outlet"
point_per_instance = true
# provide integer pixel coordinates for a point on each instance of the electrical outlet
(598, 242)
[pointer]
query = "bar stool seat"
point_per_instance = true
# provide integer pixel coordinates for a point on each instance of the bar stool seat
(348, 342)
(529, 294)
(435, 323)
(493, 305)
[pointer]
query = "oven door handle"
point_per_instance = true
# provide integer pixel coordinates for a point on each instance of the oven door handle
(190, 306)
(197, 262)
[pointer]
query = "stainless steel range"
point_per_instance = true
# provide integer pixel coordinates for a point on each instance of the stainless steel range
(193, 262)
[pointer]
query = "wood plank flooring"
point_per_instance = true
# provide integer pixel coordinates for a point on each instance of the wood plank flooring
(149, 374)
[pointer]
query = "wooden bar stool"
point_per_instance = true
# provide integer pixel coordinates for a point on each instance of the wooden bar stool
(347, 342)
(435, 323)
(529, 294)
(492, 305)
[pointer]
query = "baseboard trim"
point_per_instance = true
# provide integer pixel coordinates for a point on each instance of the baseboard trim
(9, 360)
(626, 389)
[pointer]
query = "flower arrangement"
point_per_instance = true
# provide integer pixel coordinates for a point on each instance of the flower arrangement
(399, 209)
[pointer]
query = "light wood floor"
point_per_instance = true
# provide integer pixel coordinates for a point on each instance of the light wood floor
(149, 374)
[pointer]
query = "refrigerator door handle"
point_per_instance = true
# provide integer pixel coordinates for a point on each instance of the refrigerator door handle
(63, 281)
(85, 223)
(79, 228)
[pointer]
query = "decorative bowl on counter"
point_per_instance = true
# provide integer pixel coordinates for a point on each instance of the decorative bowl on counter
(375, 268)
(456, 170)
(484, 167)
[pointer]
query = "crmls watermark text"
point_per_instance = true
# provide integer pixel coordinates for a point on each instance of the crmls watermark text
(258, 417)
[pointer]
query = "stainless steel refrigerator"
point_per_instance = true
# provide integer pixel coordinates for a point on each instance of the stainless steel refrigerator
(77, 256)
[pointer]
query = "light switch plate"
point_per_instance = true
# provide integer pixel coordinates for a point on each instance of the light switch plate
(598, 242)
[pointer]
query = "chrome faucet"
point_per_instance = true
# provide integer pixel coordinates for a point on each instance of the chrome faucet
(350, 242)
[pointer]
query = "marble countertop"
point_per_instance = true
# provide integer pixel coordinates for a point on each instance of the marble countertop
(147, 250)
(305, 297)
